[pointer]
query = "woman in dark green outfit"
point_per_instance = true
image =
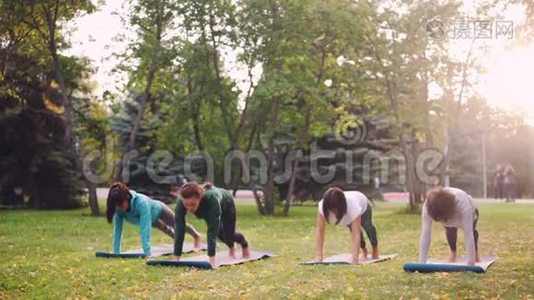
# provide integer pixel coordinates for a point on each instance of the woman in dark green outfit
(216, 206)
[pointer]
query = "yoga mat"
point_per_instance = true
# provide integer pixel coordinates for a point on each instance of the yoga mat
(201, 261)
(346, 259)
(157, 250)
(444, 266)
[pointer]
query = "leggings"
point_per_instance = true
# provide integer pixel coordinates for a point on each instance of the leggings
(452, 234)
(227, 233)
(368, 227)
(167, 223)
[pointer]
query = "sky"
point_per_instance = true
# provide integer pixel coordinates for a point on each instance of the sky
(507, 83)
(93, 37)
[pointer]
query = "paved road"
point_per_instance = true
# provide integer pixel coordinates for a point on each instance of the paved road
(403, 198)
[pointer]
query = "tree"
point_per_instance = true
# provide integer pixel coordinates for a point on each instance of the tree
(151, 20)
(46, 19)
(299, 45)
(409, 60)
(33, 33)
(34, 153)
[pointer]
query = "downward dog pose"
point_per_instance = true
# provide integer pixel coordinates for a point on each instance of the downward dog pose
(216, 206)
(138, 209)
(353, 210)
(454, 209)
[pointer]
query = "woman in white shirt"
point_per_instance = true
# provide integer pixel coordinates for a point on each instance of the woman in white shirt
(454, 209)
(351, 209)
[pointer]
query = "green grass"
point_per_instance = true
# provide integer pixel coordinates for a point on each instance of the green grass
(51, 255)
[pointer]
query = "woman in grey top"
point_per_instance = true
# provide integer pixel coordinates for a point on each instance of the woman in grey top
(454, 209)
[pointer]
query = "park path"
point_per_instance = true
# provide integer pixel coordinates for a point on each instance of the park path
(403, 198)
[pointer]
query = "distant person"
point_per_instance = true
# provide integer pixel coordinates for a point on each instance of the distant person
(510, 183)
(377, 191)
(138, 209)
(351, 209)
(498, 182)
(454, 209)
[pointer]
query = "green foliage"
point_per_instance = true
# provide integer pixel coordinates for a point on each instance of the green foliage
(316, 69)
(38, 158)
(34, 155)
(146, 146)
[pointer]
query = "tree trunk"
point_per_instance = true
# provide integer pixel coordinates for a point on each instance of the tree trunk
(218, 81)
(67, 115)
(244, 115)
(270, 198)
(408, 153)
(269, 186)
(290, 190)
(257, 198)
(252, 185)
(196, 118)
(146, 95)
(428, 128)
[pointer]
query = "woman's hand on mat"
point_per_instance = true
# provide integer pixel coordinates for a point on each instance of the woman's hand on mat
(354, 259)
(176, 257)
(318, 258)
(212, 260)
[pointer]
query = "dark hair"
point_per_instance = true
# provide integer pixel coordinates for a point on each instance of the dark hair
(334, 199)
(191, 189)
(440, 204)
(118, 193)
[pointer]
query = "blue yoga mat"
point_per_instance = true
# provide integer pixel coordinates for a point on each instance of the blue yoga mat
(444, 266)
(174, 263)
(120, 255)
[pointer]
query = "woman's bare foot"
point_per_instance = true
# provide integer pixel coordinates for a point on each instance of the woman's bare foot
(246, 252)
(452, 257)
(375, 253)
(364, 253)
(231, 253)
(198, 242)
